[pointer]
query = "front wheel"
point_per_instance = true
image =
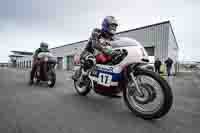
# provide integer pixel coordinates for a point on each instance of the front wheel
(156, 99)
(82, 88)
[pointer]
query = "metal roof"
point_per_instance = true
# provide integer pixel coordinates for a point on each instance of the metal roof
(15, 56)
(152, 25)
(23, 52)
(69, 44)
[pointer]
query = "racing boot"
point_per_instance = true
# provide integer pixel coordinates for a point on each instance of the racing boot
(30, 82)
(76, 75)
(31, 78)
(84, 75)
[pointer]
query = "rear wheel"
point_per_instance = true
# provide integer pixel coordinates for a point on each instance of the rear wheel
(36, 78)
(51, 79)
(156, 99)
(37, 81)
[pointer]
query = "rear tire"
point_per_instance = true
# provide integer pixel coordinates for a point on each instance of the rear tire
(53, 79)
(167, 93)
(37, 82)
(36, 79)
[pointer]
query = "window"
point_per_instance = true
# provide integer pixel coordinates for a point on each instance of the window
(150, 50)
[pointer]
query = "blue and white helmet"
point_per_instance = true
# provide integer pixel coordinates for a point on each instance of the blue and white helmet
(109, 25)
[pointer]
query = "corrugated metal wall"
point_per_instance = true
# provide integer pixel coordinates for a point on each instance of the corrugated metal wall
(68, 49)
(67, 53)
(156, 36)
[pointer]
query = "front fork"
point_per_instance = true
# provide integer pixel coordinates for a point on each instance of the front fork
(138, 90)
(130, 72)
(79, 74)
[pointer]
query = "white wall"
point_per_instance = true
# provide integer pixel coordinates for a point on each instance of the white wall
(155, 35)
(172, 49)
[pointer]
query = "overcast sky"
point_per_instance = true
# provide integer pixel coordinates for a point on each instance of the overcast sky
(25, 23)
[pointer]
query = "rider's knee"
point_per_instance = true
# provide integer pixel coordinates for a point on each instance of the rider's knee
(89, 64)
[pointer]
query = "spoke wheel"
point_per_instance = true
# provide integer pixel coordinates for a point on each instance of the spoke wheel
(156, 99)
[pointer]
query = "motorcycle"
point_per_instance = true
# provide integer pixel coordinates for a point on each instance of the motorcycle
(48, 61)
(145, 93)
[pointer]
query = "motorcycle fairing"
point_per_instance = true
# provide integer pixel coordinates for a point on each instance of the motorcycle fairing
(107, 75)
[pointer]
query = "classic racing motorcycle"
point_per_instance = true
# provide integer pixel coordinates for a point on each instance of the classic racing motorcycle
(49, 61)
(145, 93)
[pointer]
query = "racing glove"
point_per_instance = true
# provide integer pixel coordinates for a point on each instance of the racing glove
(108, 51)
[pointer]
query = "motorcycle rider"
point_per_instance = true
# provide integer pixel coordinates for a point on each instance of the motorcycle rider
(98, 39)
(36, 61)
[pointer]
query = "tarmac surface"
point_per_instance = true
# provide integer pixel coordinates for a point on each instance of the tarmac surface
(38, 109)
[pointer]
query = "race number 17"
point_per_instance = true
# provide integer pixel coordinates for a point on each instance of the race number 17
(105, 79)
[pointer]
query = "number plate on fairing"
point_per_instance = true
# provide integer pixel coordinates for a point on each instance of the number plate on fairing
(104, 79)
(106, 76)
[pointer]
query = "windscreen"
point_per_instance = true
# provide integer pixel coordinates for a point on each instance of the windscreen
(124, 42)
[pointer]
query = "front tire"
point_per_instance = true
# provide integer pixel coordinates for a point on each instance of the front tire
(167, 99)
(81, 90)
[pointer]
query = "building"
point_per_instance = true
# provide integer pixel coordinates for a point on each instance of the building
(21, 59)
(158, 39)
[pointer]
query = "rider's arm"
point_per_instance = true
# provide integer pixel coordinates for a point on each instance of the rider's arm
(35, 56)
(96, 42)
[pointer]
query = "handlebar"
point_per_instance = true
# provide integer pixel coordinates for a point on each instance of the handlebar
(47, 56)
(119, 52)
(119, 55)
